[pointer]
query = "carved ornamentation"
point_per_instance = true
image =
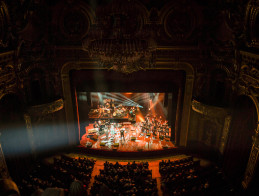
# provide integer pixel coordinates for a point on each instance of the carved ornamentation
(251, 166)
(211, 111)
(179, 22)
(4, 24)
(249, 58)
(44, 109)
(7, 74)
(234, 15)
(75, 22)
(218, 124)
(249, 79)
(252, 22)
(120, 40)
(224, 135)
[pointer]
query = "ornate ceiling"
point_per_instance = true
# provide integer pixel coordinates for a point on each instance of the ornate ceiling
(209, 35)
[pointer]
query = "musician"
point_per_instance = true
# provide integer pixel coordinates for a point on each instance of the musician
(143, 127)
(154, 130)
(106, 131)
(107, 105)
(101, 126)
(167, 130)
(112, 128)
(122, 130)
(101, 110)
(112, 104)
(160, 131)
(96, 125)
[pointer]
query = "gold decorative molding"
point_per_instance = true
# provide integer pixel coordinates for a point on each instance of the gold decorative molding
(249, 80)
(249, 58)
(251, 166)
(7, 74)
(224, 135)
(6, 57)
(254, 154)
(8, 89)
(75, 20)
(252, 13)
(160, 65)
(218, 117)
(48, 108)
(4, 24)
(207, 110)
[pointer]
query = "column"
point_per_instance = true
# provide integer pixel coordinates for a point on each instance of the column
(69, 109)
(252, 162)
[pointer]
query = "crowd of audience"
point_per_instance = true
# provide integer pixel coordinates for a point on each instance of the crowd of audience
(68, 176)
(62, 173)
(187, 177)
(130, 179)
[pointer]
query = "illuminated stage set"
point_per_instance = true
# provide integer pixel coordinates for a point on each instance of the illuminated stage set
(127, 122)
(145, 117)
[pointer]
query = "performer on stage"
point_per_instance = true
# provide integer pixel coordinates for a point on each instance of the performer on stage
(96, 125)
(122, 130)
(106, 131)
(112, 130)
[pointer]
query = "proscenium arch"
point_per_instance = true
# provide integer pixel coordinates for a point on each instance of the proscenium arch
(251, 164)
(256, 103)
(162, 65)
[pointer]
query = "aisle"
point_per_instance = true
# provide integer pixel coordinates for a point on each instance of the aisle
(153, 165)
(96, 171)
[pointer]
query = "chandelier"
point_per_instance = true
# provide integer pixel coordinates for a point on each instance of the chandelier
(119, 40)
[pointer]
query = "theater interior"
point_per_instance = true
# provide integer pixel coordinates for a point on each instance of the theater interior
(129, 97)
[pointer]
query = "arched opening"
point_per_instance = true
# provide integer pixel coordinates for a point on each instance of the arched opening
(183, 123)
(240, 139)
(147, 104)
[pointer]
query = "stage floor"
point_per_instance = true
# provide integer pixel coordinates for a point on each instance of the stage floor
(142, 142)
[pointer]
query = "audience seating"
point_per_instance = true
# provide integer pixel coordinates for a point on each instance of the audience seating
(71, 177)
(60, 174)
(187, 177)
(130, 179)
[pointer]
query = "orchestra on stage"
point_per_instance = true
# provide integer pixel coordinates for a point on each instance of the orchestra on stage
(109, 111)
(109, 128)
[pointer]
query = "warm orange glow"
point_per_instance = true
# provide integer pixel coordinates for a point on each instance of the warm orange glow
(128, 95)
(140, 118)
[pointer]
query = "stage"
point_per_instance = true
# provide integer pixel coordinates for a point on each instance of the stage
(135, 139)
(126, 122)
